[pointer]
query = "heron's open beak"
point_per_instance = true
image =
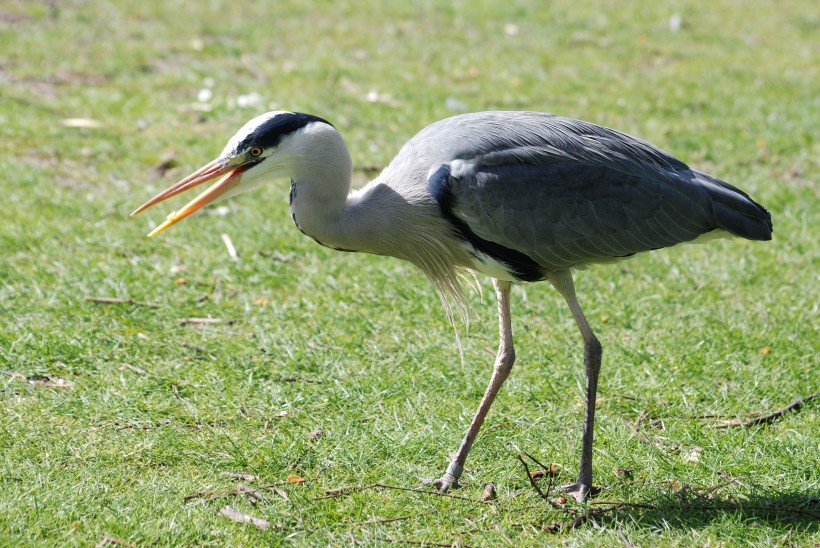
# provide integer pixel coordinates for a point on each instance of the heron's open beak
(233, 176)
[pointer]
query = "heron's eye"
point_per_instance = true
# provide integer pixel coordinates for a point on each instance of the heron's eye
(256, 151)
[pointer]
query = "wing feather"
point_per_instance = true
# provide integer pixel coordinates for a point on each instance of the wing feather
(565, 193)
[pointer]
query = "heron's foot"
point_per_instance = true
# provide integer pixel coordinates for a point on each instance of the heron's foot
(448, 481)
(445, 483)
(579, 491)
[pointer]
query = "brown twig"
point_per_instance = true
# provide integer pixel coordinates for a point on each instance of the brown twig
(621, 504)
(782, 541)
(250, 491)
(296, 379)
(794, 405)
(707, 492)
(704, 417)
(597, 510)
(548, 470)
(529, 477)
(343, 492)
(209, 494)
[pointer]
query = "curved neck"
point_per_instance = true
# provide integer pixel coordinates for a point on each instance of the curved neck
(319, 188)
(349, 222)
(386, 217)
(377, 219)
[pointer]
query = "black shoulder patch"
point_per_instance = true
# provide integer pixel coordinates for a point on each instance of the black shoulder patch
(519, 264)
(270, 133)
(438, 184)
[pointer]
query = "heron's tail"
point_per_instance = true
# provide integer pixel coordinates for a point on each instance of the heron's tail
(735, 211)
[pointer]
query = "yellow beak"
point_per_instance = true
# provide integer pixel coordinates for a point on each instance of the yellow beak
(212, 170)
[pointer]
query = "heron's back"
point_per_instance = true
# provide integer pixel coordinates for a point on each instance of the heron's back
(563, 193)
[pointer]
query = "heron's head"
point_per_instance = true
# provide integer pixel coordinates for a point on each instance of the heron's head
(264, 148)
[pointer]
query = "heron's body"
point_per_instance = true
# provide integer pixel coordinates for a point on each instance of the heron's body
(516, 195)
(519, 196)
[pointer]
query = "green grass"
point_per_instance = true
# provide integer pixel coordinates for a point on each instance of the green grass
(358, 346)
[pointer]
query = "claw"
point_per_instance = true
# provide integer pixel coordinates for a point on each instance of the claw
(579, 491)
(450, 477)
(445, 482)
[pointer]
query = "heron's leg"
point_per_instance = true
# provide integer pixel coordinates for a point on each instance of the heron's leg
(503, 364)
(592, 363)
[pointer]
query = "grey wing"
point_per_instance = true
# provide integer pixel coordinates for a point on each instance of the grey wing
(566, 214)
(541, 191)
(528, 207)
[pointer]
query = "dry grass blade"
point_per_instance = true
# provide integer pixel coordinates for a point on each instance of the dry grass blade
(503, 535)
(239, 475)
(622, 536)
(241, 517)
(118, 300)
(231, 249)
(250, 491)
(107, 540)
(87, 123)
(201, 321)
(134, 368)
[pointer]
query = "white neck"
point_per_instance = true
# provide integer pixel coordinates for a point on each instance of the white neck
(320, 203)
(390, 216)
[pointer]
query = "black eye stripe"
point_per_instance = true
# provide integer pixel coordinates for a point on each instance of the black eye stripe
(269, 134)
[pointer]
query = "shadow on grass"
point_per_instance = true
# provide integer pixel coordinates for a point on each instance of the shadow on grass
(799, 511)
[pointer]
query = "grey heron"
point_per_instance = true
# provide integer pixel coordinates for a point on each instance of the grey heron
(518, 196)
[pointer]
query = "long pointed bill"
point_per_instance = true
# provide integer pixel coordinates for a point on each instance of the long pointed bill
(204, 174)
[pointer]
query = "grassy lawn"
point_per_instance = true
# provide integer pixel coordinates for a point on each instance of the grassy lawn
(120, 423)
